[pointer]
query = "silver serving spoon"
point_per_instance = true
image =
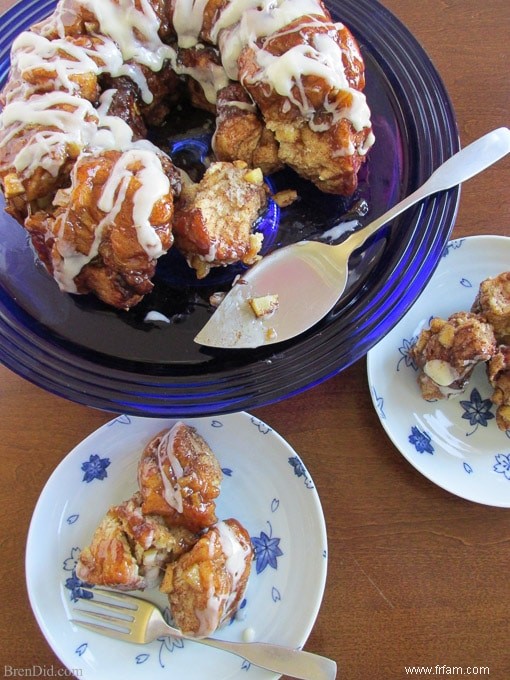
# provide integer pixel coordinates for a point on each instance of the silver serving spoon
(309, 277)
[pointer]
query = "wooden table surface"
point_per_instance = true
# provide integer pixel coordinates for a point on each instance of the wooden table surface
(417, 576)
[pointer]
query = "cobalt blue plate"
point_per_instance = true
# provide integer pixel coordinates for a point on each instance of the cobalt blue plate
(79, 349)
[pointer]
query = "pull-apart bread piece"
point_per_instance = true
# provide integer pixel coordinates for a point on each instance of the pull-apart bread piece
(168, 534)
(304, 73)
(97, 204)
(129, 550)
(493, 301)
(284, 81)
(214, 218)
(111, 225)
(179, 478)
(205, 586)
(498, 372)
(447, 352)
(241, 132)
(307, 79)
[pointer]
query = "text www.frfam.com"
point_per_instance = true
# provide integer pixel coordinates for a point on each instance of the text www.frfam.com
(447, 670)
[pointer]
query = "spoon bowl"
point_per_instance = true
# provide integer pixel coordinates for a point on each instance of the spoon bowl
(310, 277)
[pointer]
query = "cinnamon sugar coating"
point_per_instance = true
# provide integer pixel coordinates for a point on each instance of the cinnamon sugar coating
(498, 372)
(284, 81)
(214, 218)
(121, 270)
(493, 301)
(180, 477)
(168, 534)
(447, 352)
(129, 549)
(206, 584)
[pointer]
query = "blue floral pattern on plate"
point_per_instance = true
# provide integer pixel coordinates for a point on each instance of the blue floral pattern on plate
(454, 442)
(502, 464)
(267, 550)
(265, 485)
(477, 410)
(95, 468)
(421, 440)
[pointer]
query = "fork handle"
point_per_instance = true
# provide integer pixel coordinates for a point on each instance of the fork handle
(293, 662)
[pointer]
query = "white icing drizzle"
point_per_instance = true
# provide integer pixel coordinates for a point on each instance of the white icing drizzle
(153, 185)
(219, 604)
(64, 58)
(242, 106)
(131, 35)
(212, 77)
(322, 58)
(248, 634)
(71, 261)
(135, 73)
(339, 230)
(111, 133)
(243, 22)
(63, 124)
(236, 554)
(154, 315)
(188, 16)
(368, 142)
(208, 618)
(165, 455)
(129, 40)
(64, 119)
(134, 30)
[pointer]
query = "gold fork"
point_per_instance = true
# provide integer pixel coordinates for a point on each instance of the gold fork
(135, 620)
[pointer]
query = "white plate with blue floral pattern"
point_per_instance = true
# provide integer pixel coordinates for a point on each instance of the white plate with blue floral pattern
(456, 442)
(265, 486)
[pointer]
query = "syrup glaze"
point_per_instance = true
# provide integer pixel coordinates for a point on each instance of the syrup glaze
(52, 68)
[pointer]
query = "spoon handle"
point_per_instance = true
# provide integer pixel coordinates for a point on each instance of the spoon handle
(293, 662)
(463, 165)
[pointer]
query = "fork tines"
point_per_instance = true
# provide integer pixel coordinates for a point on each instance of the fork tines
(116, 618)
(118, 601)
